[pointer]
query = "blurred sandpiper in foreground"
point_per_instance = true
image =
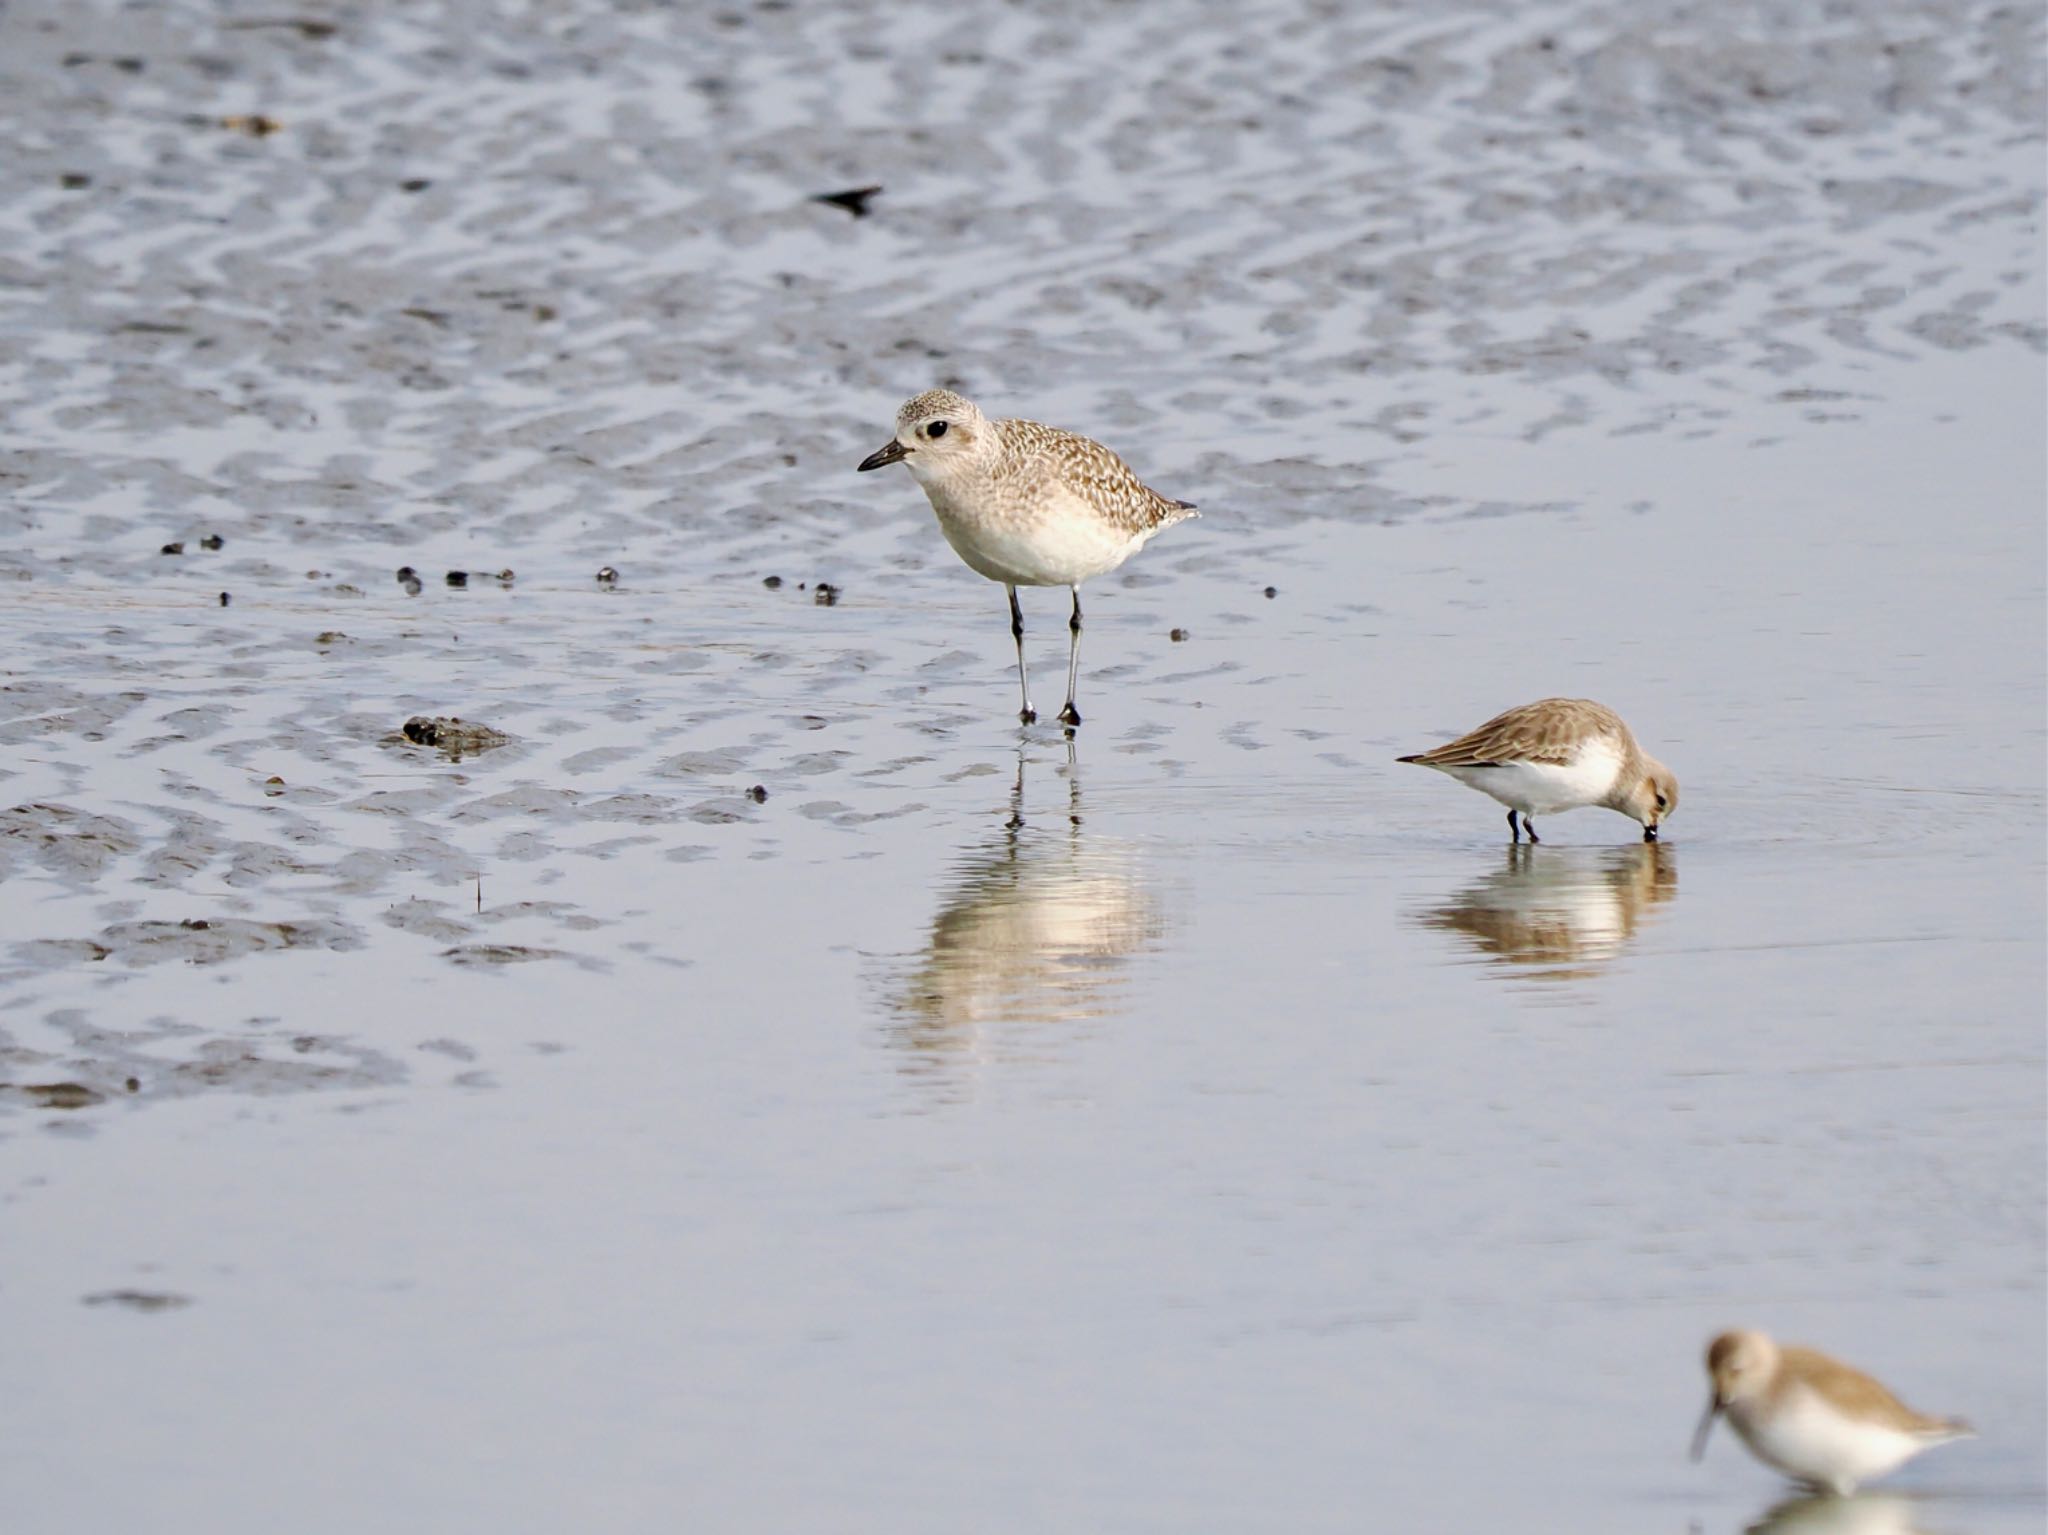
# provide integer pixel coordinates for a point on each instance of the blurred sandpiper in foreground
(1026, 505)
(1559, 754)
(1812, 1417)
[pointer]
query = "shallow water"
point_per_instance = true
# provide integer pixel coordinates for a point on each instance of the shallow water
(1212, 1125)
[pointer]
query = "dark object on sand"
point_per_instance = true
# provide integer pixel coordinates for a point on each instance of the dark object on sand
(139, 1300)
(854, 200)
(459, 738)
(63, 1095)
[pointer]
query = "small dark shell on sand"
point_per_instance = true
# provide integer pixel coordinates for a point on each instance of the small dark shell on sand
(608, 576)
(1177, 635)
(458, 578)
(827, 595)
(172, 549)
(212, 541)
(224, 599)
(758, 794)
(1272, 591)
(773, 583)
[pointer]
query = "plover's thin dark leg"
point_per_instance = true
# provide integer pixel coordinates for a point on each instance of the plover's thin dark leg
(1514, 831)
(1529, 826)
(1027, 715)
(1069, 715)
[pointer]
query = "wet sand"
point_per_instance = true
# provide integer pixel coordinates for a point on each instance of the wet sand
(760, 1087)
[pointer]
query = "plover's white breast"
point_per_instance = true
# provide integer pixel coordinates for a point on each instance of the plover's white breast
(1049, 536)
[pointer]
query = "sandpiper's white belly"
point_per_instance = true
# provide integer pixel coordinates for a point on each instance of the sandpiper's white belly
(1543, 788)
(1062, 541)
(1806, 1437)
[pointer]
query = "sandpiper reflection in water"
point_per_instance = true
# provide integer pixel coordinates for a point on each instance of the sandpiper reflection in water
(1826, 1514)
(1033, 929)
(1557, 913)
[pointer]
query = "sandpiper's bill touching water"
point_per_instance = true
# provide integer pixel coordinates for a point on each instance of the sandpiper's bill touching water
(1026, 505)
(1812, 1417)
(1559, 754)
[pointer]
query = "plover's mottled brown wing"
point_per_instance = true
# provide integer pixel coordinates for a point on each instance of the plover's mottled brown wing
(1856, 1395)
(1550, 730)
(1092, 471)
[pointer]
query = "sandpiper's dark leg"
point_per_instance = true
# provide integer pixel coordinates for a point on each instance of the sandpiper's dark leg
(1027, 714)
(1069, 715)
(1529, 826)
(1514, 831)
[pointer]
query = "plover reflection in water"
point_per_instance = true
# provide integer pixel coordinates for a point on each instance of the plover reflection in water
(1026, 505)
(1812, 1417)
(1559, 754)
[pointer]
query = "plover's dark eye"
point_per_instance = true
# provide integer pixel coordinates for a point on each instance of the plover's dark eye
(1660, 802)
(937, 429)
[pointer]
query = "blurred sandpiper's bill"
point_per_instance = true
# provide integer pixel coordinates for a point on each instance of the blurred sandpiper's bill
(1026, 505)
(1812, 1417)
(1559, 754)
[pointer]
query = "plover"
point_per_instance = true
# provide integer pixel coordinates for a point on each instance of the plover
(1026, 505)
(1558, 754)
(1812, 1417)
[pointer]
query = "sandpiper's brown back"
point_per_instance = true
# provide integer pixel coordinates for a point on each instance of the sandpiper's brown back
(1855, 1394)
(1549, 730)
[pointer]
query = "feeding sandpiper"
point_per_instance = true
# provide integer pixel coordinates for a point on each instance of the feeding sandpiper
(1813, 1417)
(1026, 505)
(1559, 754)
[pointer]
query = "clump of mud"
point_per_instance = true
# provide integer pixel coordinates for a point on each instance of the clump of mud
(457, 738)
(140, 1300)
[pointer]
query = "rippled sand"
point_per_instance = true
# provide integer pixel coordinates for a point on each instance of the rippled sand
(753, 1086)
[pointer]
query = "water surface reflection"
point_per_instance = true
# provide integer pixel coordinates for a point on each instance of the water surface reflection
(1867, 1514)
(1559, 913)
(1033, 928)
